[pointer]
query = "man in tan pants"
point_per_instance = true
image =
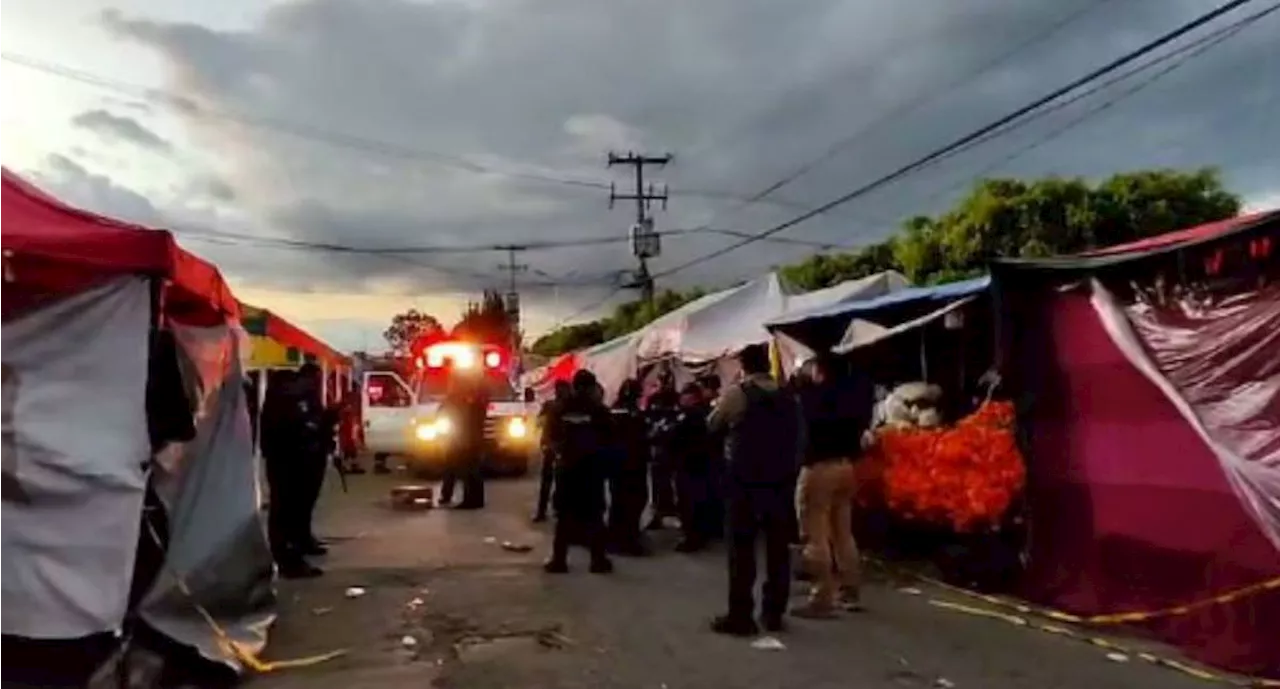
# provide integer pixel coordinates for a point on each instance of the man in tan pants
(836, 417)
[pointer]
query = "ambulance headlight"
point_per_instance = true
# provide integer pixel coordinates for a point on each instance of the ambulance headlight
(517, 428)
(443, 425)
(426, 432)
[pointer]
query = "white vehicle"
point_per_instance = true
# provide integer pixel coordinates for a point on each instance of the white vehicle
(403, 417)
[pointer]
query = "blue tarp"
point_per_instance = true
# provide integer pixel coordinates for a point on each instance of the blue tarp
(859, 309)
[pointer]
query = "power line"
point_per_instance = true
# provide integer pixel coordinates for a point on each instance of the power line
(966, 139)
(910, 106)
(924, 98)
(1179, 58)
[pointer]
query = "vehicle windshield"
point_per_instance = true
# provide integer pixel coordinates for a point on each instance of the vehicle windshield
(435, 387)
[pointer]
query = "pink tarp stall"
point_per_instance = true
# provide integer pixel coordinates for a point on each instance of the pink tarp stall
(1153, 430)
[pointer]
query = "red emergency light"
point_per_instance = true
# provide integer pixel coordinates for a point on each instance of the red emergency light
(460, 356)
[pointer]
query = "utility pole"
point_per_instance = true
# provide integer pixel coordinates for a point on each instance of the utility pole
(645, 243)
(511, 300)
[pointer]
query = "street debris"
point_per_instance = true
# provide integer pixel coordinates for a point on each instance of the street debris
(944, 683)
(408, 641)
(1117, 657)
(490, 540)
(321, 611)
(516, 547)
(355, 592)
(768, 643)
(910, 590)
(415, 604)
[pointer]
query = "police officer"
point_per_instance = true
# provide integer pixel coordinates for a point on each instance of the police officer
(628, 485)
(317, 427)
(546, 476)
(580, 436)
(691, 452)
(466, 407)
(283, 442)
(661, 412)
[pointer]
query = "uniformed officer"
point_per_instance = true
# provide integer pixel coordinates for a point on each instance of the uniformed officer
(317, 428)
(546, 478)
(580, 432)
(691, 452)
(466, 407)
(628, 485)
(661, 412)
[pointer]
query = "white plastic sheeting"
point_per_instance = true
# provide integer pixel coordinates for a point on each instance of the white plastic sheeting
(211, 488)
(75, 445)
(719, 324)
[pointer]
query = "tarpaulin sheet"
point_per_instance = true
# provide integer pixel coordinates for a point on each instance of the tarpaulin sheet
(212, 491)
(1130, 508)
(75, 444)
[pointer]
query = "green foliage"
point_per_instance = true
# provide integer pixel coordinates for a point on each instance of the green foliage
(999, 218)
(486, 321)
(1002, 218)
(407, 327)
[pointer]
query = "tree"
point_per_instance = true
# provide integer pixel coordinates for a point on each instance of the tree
(1030, 219)
(407, 327)
(487, 321)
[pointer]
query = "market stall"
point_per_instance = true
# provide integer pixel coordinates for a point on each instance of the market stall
(1148, 386)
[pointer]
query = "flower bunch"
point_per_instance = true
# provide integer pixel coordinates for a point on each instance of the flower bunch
(963, 477)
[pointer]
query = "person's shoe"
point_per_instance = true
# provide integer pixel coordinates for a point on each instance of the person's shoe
(814, 612)
(299, 570)
(773, 623)
(734, 626)
(556, 567)
(381, 469)
(539, 518)
(656, 524)
(464, 505)
(355, 471)
(601, 566)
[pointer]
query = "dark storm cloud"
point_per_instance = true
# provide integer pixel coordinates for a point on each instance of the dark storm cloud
(742, 91)
(112, 126)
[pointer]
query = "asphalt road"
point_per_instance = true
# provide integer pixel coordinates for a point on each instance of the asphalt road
(445, 605)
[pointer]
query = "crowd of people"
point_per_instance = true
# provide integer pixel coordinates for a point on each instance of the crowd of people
(760, 461)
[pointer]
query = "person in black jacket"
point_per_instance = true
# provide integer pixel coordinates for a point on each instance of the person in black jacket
(836, 413)
(692, 454)
(546, 470)
(628, 485)
(661, 412)
(580, 432)
(466, 407)
(317, 429)
(763, 438)
(281, 436)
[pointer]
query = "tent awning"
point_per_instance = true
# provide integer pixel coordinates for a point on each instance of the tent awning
(263, 323)
(53, 248)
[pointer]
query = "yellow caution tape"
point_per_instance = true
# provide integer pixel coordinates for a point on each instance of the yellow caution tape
(232, 648)
(1111, 618)
(1199, 673)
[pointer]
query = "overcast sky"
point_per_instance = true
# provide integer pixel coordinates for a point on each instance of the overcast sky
(390, 123)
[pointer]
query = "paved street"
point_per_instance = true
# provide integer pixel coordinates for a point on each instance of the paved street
(488, 617)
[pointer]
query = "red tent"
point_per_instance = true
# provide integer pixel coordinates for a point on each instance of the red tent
(52, 249)
(1148, 383)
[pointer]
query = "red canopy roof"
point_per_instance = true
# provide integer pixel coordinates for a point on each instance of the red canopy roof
(50, 247)
(1188, 235)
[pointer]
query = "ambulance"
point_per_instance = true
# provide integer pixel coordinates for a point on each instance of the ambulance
(404, 417)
